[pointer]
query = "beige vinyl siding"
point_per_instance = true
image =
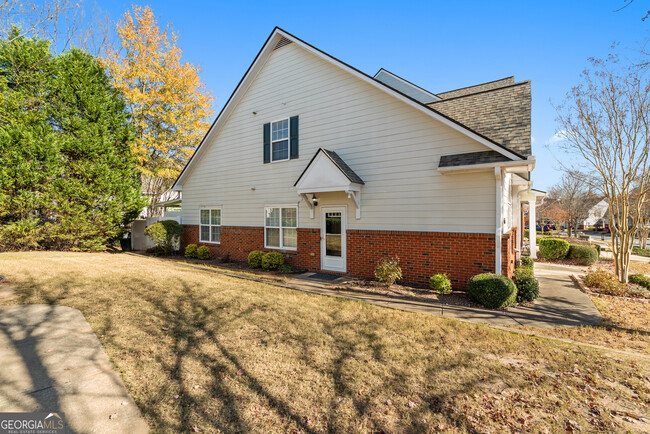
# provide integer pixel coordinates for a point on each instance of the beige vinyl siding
(392, 146)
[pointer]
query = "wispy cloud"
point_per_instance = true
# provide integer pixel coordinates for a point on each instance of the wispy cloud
(557, 137)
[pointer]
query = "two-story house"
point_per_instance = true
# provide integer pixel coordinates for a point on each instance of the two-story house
(337, 169)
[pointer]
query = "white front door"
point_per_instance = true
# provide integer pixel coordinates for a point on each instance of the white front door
(332, 238)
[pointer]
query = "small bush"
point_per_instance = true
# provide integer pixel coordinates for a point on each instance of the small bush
(203, 252)
(165, 234)
(492, 290)
(606, 282)
(440, 283)
(527, 233)
(527, 261)
(583, 255)
(527, 285)
(255, 259)
(388, 270)
(553, 248)
(598, 248)
(285, 269)
(640, 279)
(272, 260)
(190, 251)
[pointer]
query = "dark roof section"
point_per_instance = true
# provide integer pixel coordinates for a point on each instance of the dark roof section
(495, 84)
(471, 158)
(503, 114)
(338, 162)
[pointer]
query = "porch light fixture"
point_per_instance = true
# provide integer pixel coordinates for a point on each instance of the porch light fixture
(314, 200)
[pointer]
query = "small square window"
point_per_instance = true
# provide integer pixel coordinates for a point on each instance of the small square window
(281, 227)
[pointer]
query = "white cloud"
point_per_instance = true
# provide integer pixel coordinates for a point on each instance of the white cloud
(557, 137)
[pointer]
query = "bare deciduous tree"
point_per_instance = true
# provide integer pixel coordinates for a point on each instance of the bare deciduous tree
(606, 121)
(65, 23)
(574, 198)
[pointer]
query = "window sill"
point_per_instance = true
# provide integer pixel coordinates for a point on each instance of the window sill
(210, 242)
(282, 249)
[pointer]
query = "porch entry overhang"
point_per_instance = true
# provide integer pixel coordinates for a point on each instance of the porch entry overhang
(327, 172)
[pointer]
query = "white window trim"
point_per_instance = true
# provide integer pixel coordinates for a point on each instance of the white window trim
(282, 247)
(288, 139)
(210, 208)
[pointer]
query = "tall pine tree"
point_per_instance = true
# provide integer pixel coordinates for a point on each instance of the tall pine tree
(68, 178)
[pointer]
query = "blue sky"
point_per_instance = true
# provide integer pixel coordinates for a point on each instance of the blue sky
(439, 45)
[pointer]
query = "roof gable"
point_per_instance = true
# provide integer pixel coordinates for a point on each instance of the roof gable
(327, 170)
(279, 38)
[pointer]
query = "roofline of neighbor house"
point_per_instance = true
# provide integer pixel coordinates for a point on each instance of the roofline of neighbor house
(407, 82)
(481, 92)
(476, 85)
(434, 113)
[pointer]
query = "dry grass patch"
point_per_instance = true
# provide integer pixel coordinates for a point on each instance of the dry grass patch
(198, 349)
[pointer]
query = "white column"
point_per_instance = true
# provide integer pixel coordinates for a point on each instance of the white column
(532, 228)
(499, 221)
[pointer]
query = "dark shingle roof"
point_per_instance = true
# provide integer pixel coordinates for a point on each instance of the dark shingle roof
(471, 158)
(503, 114)
(353, 177)
(477, 88)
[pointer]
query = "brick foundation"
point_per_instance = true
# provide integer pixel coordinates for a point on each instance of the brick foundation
(422, 254)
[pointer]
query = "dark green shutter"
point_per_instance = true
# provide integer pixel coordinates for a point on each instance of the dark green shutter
(267, 143)
(293, 139)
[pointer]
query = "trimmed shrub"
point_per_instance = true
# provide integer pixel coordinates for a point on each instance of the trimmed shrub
(285, 268)
(255, 259)
(440, 283)
(191, 251)
(583, 255)
(527, 233)
(388, 270)
(553, 248)
(492, 290)
(203, 252)
(527, 261)
(527, 285)
(165, 234)
(272, 260)
(639, 251)
(597, 247)
(640, 279)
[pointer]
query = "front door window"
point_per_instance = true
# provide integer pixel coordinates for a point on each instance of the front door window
(333, 234)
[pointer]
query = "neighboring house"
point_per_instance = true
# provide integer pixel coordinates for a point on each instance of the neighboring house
(170, 203)
(597, 210)
(337, 169)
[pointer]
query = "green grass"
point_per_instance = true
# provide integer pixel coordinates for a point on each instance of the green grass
(636, 250)
(222, 354)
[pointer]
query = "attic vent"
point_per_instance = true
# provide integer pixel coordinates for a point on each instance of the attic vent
(282, 42)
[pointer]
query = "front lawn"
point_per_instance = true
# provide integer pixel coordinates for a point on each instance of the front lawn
(204, 352)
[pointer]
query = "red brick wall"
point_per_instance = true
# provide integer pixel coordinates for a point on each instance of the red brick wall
(239, 241)
(422, 254)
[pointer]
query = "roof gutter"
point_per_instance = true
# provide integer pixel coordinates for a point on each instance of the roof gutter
(509, 167)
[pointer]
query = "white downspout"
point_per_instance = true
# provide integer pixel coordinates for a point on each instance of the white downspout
(499, 221)
(532, 227)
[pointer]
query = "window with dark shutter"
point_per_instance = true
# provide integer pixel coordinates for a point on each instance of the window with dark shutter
(281, 140)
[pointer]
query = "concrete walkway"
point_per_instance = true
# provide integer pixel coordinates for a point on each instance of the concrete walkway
(52, 362)
(561, 303)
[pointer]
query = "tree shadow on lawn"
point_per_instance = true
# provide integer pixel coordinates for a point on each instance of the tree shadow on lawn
(194, 321)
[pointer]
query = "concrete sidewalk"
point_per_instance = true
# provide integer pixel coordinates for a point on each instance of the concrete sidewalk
(561, 303)
(53, 362)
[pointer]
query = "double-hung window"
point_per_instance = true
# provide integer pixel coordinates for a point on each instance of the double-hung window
(210, 225)
(280, 227)
(280, 140)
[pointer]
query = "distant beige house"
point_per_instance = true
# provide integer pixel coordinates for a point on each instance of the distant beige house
(337, 169)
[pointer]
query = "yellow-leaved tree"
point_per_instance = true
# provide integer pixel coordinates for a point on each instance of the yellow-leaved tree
(169, 104)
